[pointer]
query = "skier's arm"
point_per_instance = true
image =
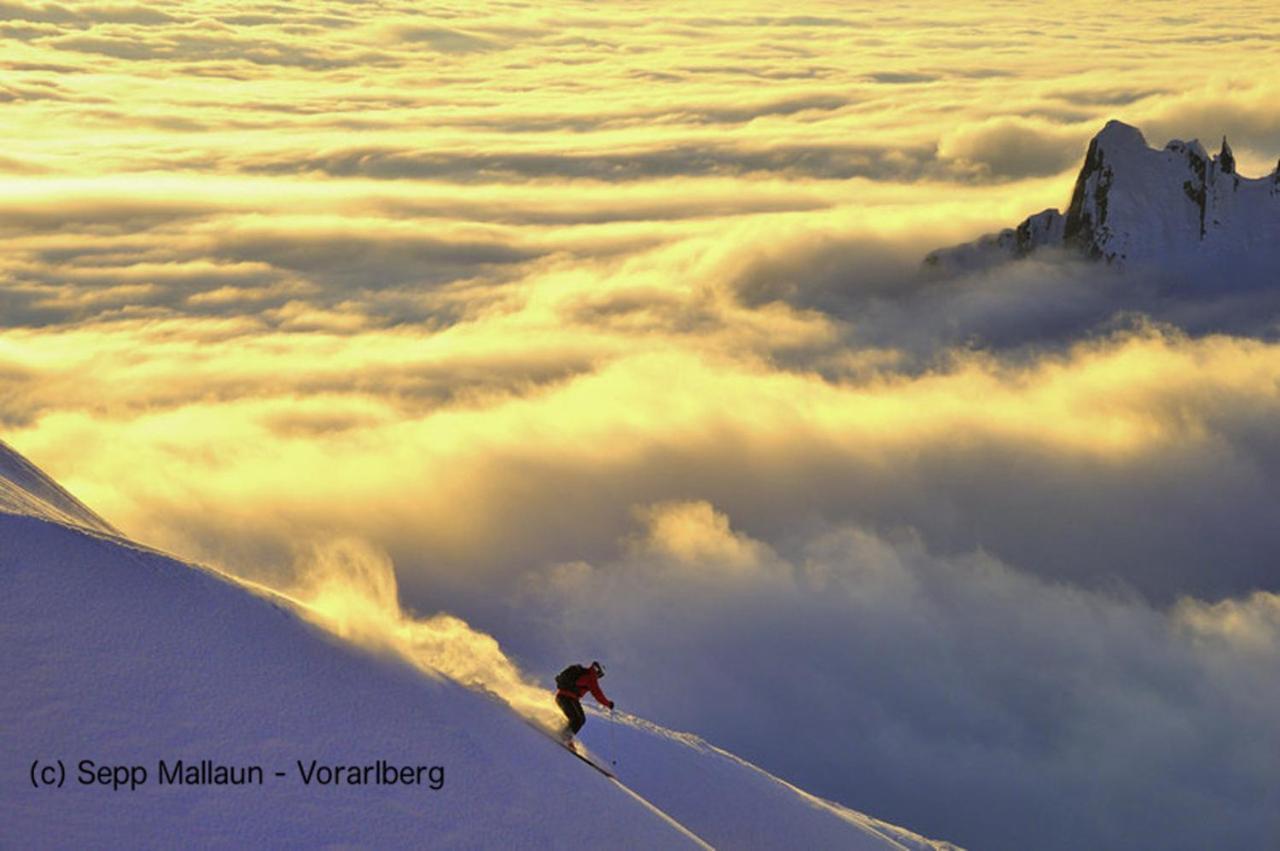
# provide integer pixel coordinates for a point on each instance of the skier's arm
(594, 685)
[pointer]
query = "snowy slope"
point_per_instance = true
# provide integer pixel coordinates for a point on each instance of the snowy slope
(730, 802)
(1135, 205)
(24, 489)
(126, 657)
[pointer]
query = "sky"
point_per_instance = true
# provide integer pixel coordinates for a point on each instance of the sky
(601, 328)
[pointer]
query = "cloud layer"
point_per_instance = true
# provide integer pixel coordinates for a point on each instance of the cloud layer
(603, 330)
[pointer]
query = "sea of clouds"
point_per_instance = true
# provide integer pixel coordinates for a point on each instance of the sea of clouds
(604, 331)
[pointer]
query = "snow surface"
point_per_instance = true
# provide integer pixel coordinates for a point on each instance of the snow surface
(1134, 205)
(24, 489)
(125, 656)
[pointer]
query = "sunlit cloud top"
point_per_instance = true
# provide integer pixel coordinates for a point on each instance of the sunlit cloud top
(482, 92)
(275, 154)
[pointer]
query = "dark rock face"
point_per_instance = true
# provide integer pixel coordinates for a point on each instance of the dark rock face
(1226, 159)
(1195, 188)
(1196, 193)
(1085, 220)
(1044, 228)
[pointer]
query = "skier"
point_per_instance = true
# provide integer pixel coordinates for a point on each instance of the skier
(571, 684)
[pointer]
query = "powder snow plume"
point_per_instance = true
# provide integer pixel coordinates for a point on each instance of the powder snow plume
(348, 585)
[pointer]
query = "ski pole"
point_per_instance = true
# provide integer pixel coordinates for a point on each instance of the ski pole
(613, 739)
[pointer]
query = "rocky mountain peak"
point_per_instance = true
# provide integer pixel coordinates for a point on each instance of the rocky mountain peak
(1226, 159)
(1117, 136)
(1135, 204)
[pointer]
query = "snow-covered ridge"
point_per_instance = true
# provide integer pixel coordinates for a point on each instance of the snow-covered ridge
(1133, 204)
(123, 656)
(24, 489)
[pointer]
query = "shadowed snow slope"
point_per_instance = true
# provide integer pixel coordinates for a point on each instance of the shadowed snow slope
(124, 656)
(24, 489)
(727, 800)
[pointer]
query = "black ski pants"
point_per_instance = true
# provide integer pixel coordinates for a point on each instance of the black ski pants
(572, 710)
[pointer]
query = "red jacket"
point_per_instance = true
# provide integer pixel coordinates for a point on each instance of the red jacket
(588, 682)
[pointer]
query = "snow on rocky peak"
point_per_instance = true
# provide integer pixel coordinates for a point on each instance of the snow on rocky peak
(1136, 205)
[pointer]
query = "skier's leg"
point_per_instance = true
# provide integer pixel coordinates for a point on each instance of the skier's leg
(573, 713)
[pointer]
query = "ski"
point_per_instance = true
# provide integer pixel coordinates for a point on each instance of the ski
(567, 746)
(606, 772)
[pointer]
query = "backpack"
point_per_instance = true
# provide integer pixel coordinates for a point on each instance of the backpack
(568, 678)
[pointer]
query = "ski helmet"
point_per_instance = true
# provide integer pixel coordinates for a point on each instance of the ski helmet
(598, 669)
